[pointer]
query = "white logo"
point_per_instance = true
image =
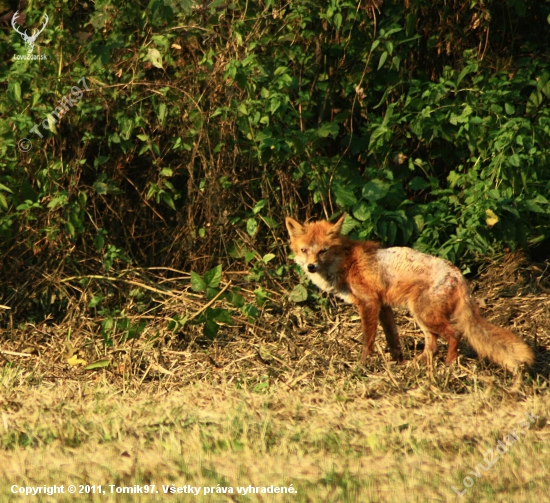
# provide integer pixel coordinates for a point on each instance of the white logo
(29, 39)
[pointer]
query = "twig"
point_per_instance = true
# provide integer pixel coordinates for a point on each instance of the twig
(129, 281)
(296, 380)
(14, 353)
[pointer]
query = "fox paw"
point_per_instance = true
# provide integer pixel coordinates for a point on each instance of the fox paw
(365, 355)
(397, 356)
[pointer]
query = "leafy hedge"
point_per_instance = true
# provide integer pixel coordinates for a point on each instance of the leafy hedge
(179, 133)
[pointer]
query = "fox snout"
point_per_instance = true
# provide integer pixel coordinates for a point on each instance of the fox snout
(312, 268)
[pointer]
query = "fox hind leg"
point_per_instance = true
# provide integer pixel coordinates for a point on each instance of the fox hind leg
(434, 326)
(430, 343)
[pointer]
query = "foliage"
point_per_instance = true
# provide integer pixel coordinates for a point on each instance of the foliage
(178, 134)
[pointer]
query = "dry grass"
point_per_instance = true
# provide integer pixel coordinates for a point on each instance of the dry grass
(332, 444)
(279, 401)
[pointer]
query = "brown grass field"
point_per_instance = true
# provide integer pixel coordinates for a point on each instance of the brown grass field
(277, 402)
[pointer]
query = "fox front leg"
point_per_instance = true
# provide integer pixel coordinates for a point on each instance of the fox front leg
(387, 321)
(369, 318)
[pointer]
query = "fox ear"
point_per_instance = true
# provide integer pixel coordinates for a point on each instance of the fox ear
(293, 227)
(337, 227)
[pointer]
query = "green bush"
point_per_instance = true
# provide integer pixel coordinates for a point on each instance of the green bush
(177, 134)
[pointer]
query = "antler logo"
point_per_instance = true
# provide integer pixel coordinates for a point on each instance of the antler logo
(29, 39)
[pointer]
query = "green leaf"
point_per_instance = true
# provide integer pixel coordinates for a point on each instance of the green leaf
(259, 205)
(261, 296)
(236, 299)
(251, 311)
(298, 294)
(272, 224)
(51, 123)
(210, 329)
(512, 210)
(376, 134)
(328, 128)
(82, 198)
(411, 24)
(70, 229)
(260, 387)
(99, 364)
(337, 20)
(375, 190)
(348, 225)
(162, 112)
(100, 160)
(531, 205)
(464, 72)
(362, 211)
(275, 104)
(344, 195)
(251, 226)
(3, 201)
(95, 301)
(155, 57)
(419, 221)
(391, 232)
(197, 283)
(463, 117)
(510, 110)
(100, 188)
(418, 183)
(388, 115)
(382, 60)
(211, 292)
(534, 101)
(14, 91)
(221, 315)
(99, 241)
(213, 277)
(267, 257)
(168, 200)
(514, 160)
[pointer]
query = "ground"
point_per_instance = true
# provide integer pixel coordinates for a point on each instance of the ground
(280, 402)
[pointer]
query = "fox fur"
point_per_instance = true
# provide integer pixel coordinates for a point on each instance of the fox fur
(377, 279)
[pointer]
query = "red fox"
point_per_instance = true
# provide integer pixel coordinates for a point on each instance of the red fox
(377, 279)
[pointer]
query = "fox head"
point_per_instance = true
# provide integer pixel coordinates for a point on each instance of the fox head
(315, 244)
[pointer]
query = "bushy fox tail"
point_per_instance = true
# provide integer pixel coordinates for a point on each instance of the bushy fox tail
(498, 344)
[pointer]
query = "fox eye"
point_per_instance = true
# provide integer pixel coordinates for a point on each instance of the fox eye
(303, 250)
(322, 250)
